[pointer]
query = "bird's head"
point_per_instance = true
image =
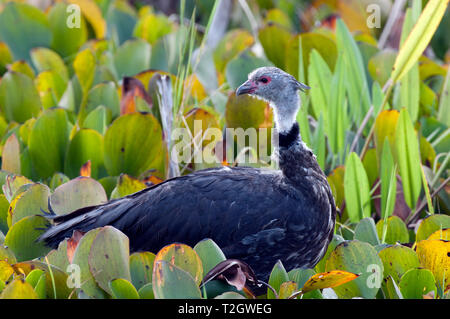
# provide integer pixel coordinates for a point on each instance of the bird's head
(278, 88)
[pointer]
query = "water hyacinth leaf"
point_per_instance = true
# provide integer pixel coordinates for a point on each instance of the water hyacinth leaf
(11, 155)
(80, 258)
(93, 15)
(55, 278)
(274, 40)
(397, 260)
(23, 27)
(4, 206)
(184, 257)
(23, 67)
(132, 57)
(21, 237)
(85, 145)
(443, 234)
(358, 258)
(48, 142)
(396, 230)
(431, 224)
(434, 255)
(123, 289)
(12, 185)
(120, 19)
(367, 232)
(417, 282)
(319, 81)
(210, 254)
(239, 67)
(7, 255)
(320, 267)
(58, 257)
(132, 143)
(45, 59)
(36, 278)
(151, 27)
(5, 57)
(109, 257)
(98, 120)
(146, 292)
(407, 150)
(104, 94)
(356, 189)
(277, 277)
(84, 67)
(18, 289)
(127, 185)
(51, 87)
(29, 203)
(171, 282)
(418, 38)
(234, 42)
(328, 279)
(230, 295)
(141, 268)
(19, 98)
(77, 193)
(6, 270)
(66, 41)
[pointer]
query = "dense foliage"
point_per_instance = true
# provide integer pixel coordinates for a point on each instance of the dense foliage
(88, 104)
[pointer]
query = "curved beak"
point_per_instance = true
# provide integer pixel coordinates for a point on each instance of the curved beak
(247, 87)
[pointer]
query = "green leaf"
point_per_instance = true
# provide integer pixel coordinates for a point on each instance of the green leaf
(397, 260)
(84, 67)
(319, 81)
(132, 57)
(141, 268)
(85, 145)
(24, 27)
(210, 254)
(45, 60)
(366, 231)
(127, 185)
(104, 94)
(396, 230)
(132, 143)
(109, 257)
(18, 289)
(418, 38)
(146, 292)
(123, 289)
(29, 203)
(358, 258)
(356, 189)
(417, 282)
(19, 98)
(388, 181)
(431, 224)
(277, 277)
(407, 150)
(77, 193)
(36, 278)
(4, 205)
(444, 110)
(11, 155)
(152, 27)
(5, 57)
(48, 141)
(99, 119)
(234, 42)
(274, 40)
(238, 68)
(171, 282)
(21, 237)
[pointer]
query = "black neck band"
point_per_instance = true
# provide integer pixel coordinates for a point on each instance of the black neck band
(289, 138)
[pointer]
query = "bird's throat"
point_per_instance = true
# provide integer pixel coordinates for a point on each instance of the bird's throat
(288, 138)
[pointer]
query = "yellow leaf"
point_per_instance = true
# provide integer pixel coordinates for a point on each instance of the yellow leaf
(18, 289)
(440, 234)
(328, 280)
(418, 38)
(385, 126)
(84, 66)
(287, 289)
(434, 254)
(93, 15)
(5, 270)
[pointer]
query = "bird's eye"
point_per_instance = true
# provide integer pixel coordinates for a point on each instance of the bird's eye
(264, 80)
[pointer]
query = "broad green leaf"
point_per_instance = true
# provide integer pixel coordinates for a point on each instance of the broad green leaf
(48, 141)
(109, 257)
(152, 27)
(239, 67)
(104, 94)
(358, 258)
(141, 268)
(123, 289)
(29, 203)
(13, 184)
(19, 98)
(397, 260)
(66, 41)
(23, 27)
(132, 57)
(234, 42)
(356, 189)
(36, 278)
(21, 237)
(45, 60)
(5, 57)
(380, 65)
(77, 193)
(366, 231)
(320, 267)
(11, 155)
(396, 230)
(210, 254)
(51, 87)
(23, 67)
(407, 150)
(431, 224)
(4, 205)
(171, 282)
(85, 145)
(121, 20)
(230, 295)
(58, 257)
(132, 143)
(277, 277)
(183, 257)
(146, 292)
(18, 289)
(84, 67)
(417, 282)
(275, 40)
(98, 120)
(418, 38)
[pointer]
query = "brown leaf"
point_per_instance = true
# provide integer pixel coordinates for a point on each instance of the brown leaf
(72, 244)
(131, 88)
(85, 170)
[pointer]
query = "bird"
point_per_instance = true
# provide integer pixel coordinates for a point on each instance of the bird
(257, 215)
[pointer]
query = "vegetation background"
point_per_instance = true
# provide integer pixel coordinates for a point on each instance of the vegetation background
(88, 102)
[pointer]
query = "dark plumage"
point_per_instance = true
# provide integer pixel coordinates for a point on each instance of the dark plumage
(256, 215)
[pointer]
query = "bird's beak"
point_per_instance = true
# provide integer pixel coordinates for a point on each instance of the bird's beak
(247, 87)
